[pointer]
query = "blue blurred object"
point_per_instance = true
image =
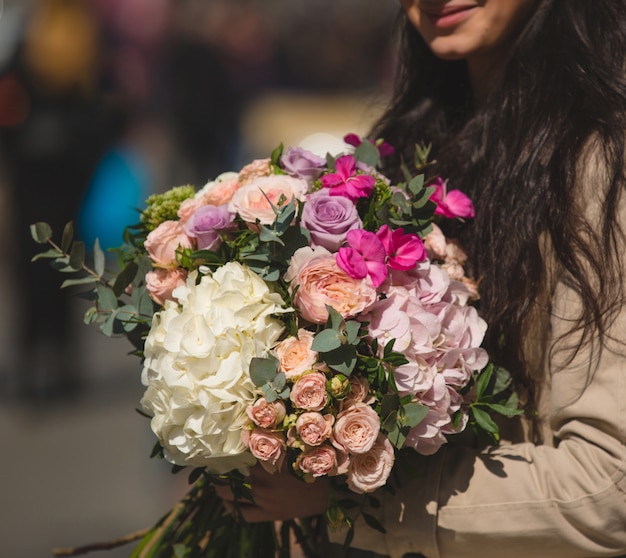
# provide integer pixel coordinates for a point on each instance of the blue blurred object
(116, 194)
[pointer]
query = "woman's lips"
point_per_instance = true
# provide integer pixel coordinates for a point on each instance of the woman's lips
(448, 16)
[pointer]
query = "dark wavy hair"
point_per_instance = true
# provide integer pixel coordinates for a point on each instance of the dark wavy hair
(563, 87)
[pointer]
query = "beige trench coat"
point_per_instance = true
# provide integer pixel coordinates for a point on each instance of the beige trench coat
(563, 498)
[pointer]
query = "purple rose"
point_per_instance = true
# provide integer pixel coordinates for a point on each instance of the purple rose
(329, 218)
(301, 163)
(206, 222)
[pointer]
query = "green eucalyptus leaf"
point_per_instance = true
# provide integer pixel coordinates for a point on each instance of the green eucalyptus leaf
(90, 315)
(326, 340)
(396, 436)
(107, 300)
(125, 278)
(82, 281)
(53, 253)
(390, 402)
(67, 237)
(77, 255)
(41, 232)
(352, 332)
(414, 413)
(335, 319)
(98, 258)
(416, 184)
(342, 360)
(268, 235)
(279, 381)
(109, 323)
(390, 424)
(263, 370)
(270, 393)
(367, 153)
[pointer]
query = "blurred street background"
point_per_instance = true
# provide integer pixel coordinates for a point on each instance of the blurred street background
(103, 102)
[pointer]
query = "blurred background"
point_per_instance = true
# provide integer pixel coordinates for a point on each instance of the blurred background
(103, 102)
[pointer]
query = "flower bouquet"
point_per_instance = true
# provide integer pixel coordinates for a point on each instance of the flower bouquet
(303, 314)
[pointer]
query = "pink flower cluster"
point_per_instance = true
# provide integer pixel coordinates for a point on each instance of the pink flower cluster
(334, 432)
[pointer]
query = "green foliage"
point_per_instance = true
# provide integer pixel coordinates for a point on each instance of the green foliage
(115, 309)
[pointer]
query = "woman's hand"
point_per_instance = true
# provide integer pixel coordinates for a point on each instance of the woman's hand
(279, 496)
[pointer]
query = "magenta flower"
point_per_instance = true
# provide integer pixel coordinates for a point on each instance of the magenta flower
(384, 149)
(451, 204)
(364, 256)
(346, 182)
(403, 250)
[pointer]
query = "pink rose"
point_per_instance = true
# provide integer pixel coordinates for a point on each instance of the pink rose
(266, 415)
(295, 354)
(359, 392)
(267, 446)
(309, 392)
(188, 207)
(318, 461)
(313, 428)
(254, 170)
(356, 429)
(329, 219)
(161, 282)
(322, 282)
(163, 242)
(253, 202)
(369, 471)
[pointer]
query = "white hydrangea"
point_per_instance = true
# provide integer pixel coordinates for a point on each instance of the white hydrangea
(197, 357)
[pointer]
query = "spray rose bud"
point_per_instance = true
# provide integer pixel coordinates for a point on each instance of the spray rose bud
(338, 386)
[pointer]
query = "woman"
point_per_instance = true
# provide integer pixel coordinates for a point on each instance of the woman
(525, 104)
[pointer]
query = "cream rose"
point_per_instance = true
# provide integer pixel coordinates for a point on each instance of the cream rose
(266, 415)
(253, 202)
(161, 282)
(163, 242)
(295, 354)
(309, 392)
(356, 429)
(313, 428)
(369, 471)
(322, 282)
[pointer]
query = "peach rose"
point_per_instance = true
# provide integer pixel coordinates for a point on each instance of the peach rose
(267, 446)
(359, 392)
(313, 428)
(435, 243)
(322, 282)
(295, 354)
(254, 170)
(161, 282)
(356, 429)
(309, 392)
(253, 202)
(163, 242)
(318, 461)
(221, 190)
(369, 471)
(266, 415)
